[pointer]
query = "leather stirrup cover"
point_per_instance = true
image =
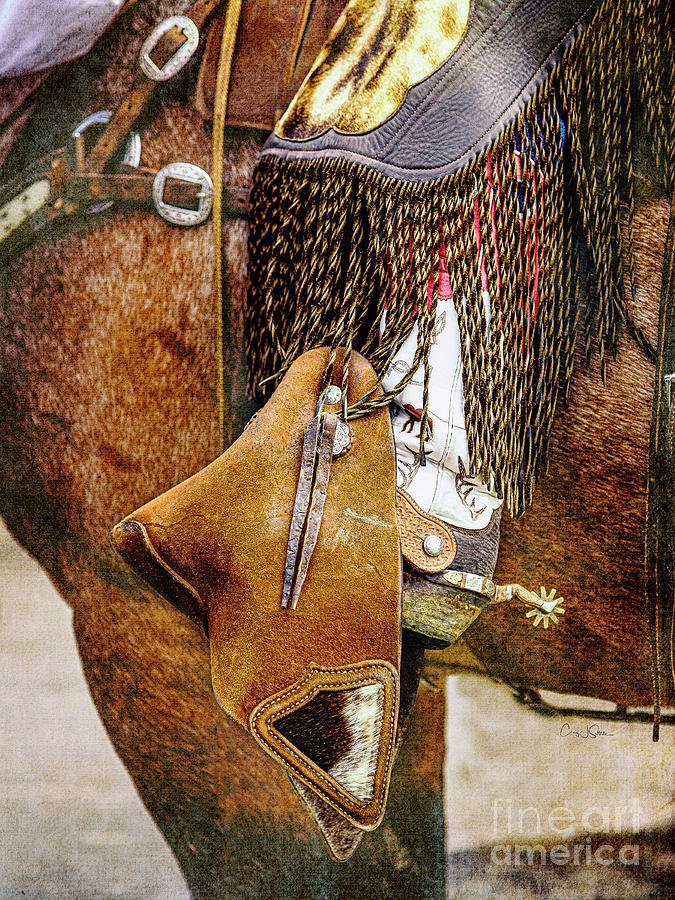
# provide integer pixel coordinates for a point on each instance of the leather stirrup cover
(317, 685)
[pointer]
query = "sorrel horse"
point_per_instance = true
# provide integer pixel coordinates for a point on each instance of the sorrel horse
(108, 370)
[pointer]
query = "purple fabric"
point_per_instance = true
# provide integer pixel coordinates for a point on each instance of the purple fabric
(36, 34)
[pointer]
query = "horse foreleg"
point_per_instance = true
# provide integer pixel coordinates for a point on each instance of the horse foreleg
(233, 820)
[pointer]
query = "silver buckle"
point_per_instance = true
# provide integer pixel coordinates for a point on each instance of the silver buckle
(187, 27)
(176, 214)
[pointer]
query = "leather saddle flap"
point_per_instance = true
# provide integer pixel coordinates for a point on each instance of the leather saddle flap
(318, 685)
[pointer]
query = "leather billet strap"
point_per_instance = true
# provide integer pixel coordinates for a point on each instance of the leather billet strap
(310, 499)
(69, 182)
(292, 59)
(165, 52)
(179, 192)
(660, 525)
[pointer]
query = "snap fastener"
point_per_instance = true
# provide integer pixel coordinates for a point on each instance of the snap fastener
(433, 545)
(333, 395)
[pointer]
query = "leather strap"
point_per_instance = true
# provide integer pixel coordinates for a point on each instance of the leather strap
(131, 188)
(292, 61)
(69, 192)
(427, 543)
(227, 45)
(143, 88)
(310, 499)
(660, 526)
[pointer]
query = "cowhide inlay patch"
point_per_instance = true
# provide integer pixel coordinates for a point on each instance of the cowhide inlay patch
(340, 732)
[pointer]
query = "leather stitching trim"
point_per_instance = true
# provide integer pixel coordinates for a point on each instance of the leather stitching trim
(474, 48)
(463, 50)
(369, 676)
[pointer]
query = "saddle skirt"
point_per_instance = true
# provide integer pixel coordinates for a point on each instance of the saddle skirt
(317, 686)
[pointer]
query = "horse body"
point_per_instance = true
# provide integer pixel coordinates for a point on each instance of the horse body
(585, 533)
(109, 396)
(108, 374)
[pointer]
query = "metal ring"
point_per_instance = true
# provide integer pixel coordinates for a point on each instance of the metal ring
(100, 117)
(132, 148)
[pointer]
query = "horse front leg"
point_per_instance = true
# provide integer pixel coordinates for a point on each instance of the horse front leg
(233, 820)
(109, 399)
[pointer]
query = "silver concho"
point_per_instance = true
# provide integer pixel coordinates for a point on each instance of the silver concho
(332, 395)
(343, 439)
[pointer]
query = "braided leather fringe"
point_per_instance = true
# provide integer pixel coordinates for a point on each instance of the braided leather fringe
(527, 240)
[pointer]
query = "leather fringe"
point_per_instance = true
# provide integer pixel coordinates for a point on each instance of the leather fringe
(528, 240)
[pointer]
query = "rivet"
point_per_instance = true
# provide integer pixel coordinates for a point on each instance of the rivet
(433, 545)
(58, 203)
(333, 395)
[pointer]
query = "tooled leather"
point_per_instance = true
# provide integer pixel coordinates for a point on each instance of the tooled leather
(454, 114)
(413, 526)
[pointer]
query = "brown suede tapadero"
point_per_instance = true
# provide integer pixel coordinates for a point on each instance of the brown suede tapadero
(225, 532)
